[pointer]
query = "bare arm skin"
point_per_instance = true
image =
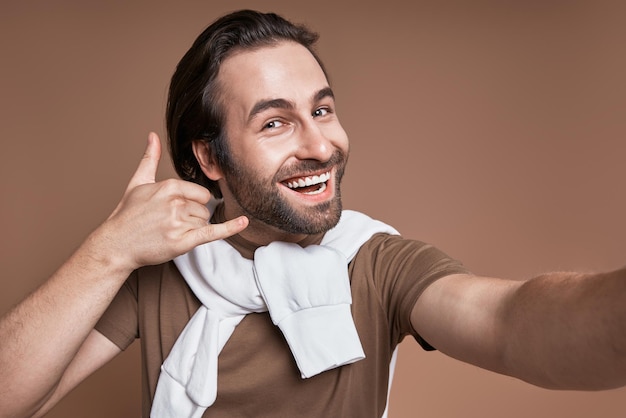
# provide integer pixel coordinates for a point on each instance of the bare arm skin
(558, 330)
(41, 338)
(95, 352)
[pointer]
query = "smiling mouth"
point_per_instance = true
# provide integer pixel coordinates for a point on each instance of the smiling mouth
(309, 185)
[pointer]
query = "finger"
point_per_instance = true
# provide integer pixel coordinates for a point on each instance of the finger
(214, 232)
(198, 210)
(193, 192)
(146, 171)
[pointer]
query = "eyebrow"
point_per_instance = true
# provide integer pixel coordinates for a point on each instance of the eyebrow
(323, 93)
(263, 105)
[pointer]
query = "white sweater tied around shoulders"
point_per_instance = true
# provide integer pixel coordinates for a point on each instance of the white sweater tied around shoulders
(306, 291)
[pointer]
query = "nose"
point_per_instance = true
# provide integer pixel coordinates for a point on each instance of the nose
(313, 143)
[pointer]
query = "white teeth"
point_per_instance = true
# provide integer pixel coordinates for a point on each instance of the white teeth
(310, 181)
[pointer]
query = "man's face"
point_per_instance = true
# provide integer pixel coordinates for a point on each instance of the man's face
(288, 149)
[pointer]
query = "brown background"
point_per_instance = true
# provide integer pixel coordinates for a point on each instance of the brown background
(494, 130)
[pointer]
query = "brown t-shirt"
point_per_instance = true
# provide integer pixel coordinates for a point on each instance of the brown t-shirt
(257, 375)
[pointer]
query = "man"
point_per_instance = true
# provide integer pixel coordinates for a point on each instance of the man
(252, 118)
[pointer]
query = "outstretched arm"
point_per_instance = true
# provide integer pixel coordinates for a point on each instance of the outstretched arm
(558, 330)
(40, 337)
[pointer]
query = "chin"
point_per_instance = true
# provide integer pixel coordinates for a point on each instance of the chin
(314, 221)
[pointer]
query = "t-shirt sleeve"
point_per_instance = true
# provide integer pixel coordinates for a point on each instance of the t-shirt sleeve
(402, 270)
(119, 321)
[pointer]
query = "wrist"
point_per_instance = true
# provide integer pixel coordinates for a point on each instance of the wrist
(107, 254)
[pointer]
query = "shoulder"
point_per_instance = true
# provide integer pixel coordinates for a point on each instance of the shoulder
(148, 275)
(159, 283)
(396, 247)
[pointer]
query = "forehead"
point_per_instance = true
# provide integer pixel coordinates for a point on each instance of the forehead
(286, 70)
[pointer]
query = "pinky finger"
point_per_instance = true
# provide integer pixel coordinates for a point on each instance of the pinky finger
(214, 232)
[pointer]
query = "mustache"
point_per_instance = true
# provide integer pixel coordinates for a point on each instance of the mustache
(338, 159)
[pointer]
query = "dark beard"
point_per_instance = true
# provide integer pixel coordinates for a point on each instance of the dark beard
(261, 200)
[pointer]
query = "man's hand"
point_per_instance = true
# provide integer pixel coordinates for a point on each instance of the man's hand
(155, 222)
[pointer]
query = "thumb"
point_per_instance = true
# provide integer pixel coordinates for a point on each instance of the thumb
(146, 171)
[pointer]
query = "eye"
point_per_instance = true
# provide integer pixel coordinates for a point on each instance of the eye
(273, 124)
(322, 111)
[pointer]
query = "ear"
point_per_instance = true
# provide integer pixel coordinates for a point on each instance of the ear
(206, 159)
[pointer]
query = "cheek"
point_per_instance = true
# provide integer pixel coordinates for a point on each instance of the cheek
(338, 136)
(264, 161)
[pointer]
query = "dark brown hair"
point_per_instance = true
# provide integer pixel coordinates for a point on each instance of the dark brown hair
(194, 110)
